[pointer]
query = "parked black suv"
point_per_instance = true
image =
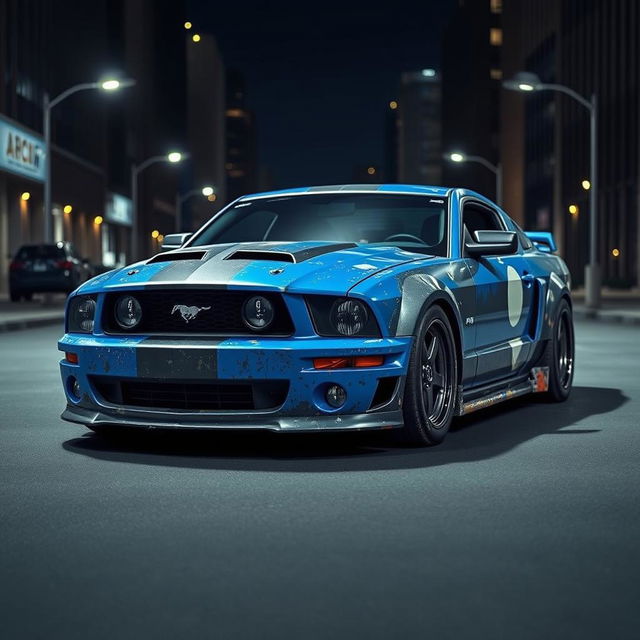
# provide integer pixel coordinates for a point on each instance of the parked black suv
(40, 268)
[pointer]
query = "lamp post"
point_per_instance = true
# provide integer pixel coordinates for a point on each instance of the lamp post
(106, 85)
(458, 157)
(136, 169)
(181, 198)
(529, 82)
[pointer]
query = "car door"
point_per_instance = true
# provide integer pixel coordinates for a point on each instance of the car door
(504, 288)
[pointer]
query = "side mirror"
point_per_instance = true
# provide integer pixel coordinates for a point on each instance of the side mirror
(174, 241)
(543, 240)
(492, 243)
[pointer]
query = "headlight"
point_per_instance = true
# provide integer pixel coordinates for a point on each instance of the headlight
(82, 312)
(349, 317)
(128, 312)
(342, 317)
(257, 312)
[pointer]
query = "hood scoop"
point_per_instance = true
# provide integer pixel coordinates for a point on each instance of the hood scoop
(248, 254)
(289, 256)
(173, 257)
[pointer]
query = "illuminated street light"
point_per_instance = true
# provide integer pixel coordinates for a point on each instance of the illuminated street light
(458, 157)
(187, 25)
(196, 37)
(393, 105)
(371, 171)
(586, 185)
(172, 157)
(155, 233)
(573, 209)
(615, 253)
(25, 196)
(428, 73)
(527, 81)
(67, 208)
(207, 191)
(108, 84)
(98, 220)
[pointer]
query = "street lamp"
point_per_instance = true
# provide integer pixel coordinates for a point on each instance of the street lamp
(173, 157)
(527, 81)
(459, 157)
(108, 84)
(182, 198)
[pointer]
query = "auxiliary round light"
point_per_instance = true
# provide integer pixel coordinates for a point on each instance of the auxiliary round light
(335, 396)
(86, 312)
(128, 312)
(258, 313)
(349, 317)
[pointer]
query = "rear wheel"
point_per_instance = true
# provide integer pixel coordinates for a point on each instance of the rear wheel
(432, 381)
(559, 354)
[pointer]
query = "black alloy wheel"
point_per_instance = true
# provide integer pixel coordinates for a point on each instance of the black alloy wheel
(432, 381)
(559, 354)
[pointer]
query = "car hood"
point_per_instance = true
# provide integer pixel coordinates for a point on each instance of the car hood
(302, 267)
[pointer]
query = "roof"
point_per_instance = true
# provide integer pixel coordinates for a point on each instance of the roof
(359, 188)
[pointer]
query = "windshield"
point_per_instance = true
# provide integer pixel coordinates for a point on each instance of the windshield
(413, 223)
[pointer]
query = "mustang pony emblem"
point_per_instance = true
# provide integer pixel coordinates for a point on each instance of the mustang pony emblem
(188, 313)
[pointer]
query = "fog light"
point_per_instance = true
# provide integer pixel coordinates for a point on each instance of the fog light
(74, 388)
(336, 396)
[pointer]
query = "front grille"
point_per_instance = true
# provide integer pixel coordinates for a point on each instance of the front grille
(161, 314)
(193, 396)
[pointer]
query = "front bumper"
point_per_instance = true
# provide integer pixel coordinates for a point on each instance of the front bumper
(237, 360)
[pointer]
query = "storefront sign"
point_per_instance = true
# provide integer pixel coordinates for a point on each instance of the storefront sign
(20, 151)
(119, 209)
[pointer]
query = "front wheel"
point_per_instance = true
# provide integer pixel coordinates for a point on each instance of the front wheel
(432, 381)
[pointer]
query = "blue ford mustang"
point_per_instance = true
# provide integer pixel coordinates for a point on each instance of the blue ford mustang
(325, 308)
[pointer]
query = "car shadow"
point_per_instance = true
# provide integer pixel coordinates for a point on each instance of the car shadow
(480, 436)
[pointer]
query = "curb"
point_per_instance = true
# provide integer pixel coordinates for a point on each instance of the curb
(30, 323)
(613, 317)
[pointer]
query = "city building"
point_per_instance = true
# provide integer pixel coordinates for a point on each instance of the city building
(471, 87)
(593, 48)
(419, 128)
(243, 175)
(206, 130)
(98, 137)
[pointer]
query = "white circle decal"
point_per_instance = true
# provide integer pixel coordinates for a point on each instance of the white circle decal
(514, 296)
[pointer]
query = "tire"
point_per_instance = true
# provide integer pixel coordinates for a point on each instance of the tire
(431, 388)
(559, 355)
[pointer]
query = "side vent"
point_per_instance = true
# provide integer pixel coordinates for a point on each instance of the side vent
(247, 254)
(173, 257)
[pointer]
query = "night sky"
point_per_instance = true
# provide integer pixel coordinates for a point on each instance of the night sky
(320, 76)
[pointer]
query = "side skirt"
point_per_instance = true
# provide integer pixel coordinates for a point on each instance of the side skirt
(537, 382)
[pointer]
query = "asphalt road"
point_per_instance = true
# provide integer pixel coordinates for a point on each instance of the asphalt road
(525, 523)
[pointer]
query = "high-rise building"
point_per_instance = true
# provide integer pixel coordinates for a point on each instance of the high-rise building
(471, 84)
(593, 48)
(241, 165)
(419, 128)
(207, 137)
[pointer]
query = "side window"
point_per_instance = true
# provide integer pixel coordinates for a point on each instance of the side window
(477, 218)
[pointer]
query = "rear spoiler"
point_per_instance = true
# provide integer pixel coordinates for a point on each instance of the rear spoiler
(543, 241)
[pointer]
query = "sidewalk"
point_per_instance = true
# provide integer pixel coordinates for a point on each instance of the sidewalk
(24, 315)
(617, 306)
